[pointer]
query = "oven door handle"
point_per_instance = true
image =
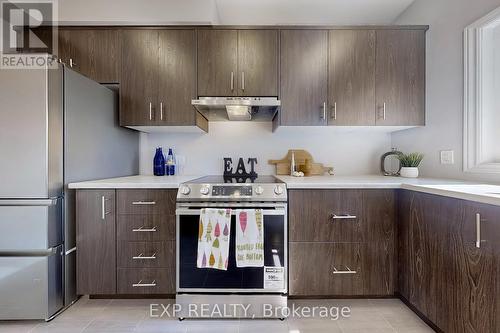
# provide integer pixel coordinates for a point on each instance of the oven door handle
(187, 211)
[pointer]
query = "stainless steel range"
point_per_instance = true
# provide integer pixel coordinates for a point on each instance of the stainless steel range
(251, 291)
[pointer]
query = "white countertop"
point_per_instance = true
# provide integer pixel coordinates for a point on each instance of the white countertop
(484, 193)
(134, 182)
(363, 181)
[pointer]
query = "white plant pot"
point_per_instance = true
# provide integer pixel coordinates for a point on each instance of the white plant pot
(409, 172)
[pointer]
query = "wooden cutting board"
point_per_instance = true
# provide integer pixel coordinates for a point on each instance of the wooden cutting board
(283, 166)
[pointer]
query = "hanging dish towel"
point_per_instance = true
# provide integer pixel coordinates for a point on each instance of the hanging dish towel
(213, 238)
(249, 238)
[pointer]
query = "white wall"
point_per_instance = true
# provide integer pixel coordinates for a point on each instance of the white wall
(447, 20)
(349, 152)
(150, 12)
(146, 12)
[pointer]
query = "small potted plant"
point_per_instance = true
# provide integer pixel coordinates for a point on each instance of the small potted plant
(409, 164)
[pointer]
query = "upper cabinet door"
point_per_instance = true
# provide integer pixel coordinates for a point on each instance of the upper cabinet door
(95, 53)
(351, 77)
(139, 81)
(177, 77)
(400, 77)
(304, 77)
(217, 62)
(258, 63)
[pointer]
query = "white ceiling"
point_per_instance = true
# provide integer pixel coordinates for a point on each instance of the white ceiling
(247, 12)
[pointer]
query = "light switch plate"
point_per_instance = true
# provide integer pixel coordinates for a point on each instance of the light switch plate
(447, 157)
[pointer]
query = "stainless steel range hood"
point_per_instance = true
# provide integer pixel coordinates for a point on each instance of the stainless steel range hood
(237, 108)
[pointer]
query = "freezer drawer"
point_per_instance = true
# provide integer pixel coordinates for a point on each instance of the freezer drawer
(31, 286)
(30, 224)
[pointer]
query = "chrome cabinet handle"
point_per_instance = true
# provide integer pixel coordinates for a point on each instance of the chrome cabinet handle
(161, 110)
(71, 63)
(323, 113)
(144, 203)
(344, 217)
(243, 81)
(103, 208)
(140, 284)
(478, 231)
(144, 229)
(347, 271)
(143, 257)
(150, 111)
(385, 109)
(334, 111)
(232, 81)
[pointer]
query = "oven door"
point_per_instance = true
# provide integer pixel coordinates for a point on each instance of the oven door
(272, 278)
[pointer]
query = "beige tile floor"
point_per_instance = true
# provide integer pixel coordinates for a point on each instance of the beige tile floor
(122, 316)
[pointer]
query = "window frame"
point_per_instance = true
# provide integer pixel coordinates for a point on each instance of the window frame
(474, 46)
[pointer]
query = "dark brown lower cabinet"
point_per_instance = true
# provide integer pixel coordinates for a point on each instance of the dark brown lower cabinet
(125, 242)
(351, 236)
(443, 272)
(321, 269)
(95, 242)
(340, 269)
(154, 281)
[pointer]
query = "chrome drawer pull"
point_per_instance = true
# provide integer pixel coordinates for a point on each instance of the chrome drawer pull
(140, 284)
(144, 229)
(348, 271)
(143, 257)
(478, 231)
(144, 203)
(344, 217)
(103, 208)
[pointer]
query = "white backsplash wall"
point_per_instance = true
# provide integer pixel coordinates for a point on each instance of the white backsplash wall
(349, 151)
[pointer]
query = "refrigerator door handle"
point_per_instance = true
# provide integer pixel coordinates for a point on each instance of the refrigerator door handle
(70, 251)
(29, 253)
(28, 202)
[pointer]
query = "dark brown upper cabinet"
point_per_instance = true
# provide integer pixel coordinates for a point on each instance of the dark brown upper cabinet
(95, 53)
(217, 62)
(304, 77)
(139, 82)
(177, 77)
(237, 62)
(400, 77)
(351, 77)
(258, 63)
(158, 78)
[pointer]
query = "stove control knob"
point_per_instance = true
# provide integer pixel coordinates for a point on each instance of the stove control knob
(204, 190)
(259, 190)
(185, 190)
(278, 190)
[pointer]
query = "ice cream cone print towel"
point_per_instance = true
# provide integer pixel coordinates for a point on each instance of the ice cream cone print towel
(249, 238)
(213, 238)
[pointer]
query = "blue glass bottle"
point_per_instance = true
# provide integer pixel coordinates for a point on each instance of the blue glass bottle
(170, 163)
(159, 163)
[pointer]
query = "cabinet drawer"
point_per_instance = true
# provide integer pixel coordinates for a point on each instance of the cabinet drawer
(146, 227)
(325, 215)
(146, 202)
(146, 254)
(342, 269)
(146, 280)
(335, 271)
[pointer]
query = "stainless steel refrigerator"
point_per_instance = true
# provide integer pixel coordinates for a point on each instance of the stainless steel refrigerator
(56, 127)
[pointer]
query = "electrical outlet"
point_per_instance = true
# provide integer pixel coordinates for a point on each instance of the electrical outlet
(447, 157)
